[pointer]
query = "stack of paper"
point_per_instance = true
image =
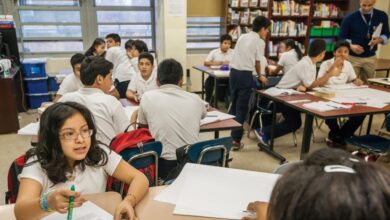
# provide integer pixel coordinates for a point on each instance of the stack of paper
(222, 73)
(214, 116)
(30, 129)
(227, 191)
(325, 106)
(273, 91)
(345, 86)
(88, 211)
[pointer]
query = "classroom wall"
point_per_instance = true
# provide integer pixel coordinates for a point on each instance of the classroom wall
(384, 50)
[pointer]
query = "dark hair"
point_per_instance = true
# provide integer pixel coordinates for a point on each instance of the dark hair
(129, 44)
(76, 59)
(260, 22)
(92, 49)
(308, 192)
(146, 56)
(114, 36)
(48, 150)
(226, 37)
(291, 43)
(317, 46)
(169, 72)
(140, 46)
(93, 66)
(329, 156)
(342, 43)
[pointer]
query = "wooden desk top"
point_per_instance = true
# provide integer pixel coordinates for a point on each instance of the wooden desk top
(107, 201)
(383, 64)
(354, 111)
(380, 81)
(209, 71)
(149, 209)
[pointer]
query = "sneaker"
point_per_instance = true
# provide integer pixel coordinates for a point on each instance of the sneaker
(261, 136)
(237, 146)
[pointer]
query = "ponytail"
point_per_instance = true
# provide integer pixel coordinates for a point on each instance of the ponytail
(291, 43)
(298, 51)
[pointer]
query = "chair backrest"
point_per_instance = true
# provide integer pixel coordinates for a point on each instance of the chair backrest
(145, 159)
(211, 152)
(387, 122)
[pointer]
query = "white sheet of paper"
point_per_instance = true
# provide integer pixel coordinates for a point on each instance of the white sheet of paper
(222, 73)
(88, 211)
(273, 91)
(30, 129)
(214, 116)
(376, 105)
(365, 95)
(228, 191)
(176, 8)
(345, 86)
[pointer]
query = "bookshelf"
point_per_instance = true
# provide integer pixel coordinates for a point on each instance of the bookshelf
(300, 20)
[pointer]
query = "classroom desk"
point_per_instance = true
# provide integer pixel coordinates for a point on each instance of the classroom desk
(380, 81)
(215, 127)
(149, 209)
(383, 65)
(310, 114)
(210, 72)
(107, 201)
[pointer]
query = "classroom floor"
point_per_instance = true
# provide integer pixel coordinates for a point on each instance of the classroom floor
(249, 158)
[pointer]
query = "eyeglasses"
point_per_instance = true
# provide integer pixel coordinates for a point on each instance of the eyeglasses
(72, 135)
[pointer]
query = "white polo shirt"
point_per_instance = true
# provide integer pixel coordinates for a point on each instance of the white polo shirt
(173, 116)
(134, 63)
(347, 73)
(139, 85)
(91, 180)
(249, 48)
(218, 55)
(303, 73)
(110, 116)
(288, 60)
(123, 69)
(70, 84)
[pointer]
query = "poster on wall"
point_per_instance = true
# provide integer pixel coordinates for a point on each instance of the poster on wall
(176, 8)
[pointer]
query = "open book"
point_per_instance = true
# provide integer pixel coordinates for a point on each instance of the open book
(214, 116)
(273, 91)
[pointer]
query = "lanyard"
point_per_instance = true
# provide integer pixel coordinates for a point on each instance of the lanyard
(368, 23)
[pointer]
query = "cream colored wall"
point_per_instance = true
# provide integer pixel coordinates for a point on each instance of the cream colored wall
(196, 76)
(384, 50)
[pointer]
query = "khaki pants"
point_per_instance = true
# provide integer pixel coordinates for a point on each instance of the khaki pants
(364, 67)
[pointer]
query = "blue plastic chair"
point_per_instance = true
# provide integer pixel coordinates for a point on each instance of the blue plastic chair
(142, 157)
(371, 143)
(211, 152)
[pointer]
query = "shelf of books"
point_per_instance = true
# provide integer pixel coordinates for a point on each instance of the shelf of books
(300, 20)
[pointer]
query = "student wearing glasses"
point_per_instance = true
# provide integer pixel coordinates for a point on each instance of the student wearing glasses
(68, 154)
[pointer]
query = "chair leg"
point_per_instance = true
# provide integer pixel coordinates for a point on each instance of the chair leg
(295, 139)
(251, 122)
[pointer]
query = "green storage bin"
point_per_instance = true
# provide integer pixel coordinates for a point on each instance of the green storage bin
(330, 47)
(336, 31)
(315, 32)
(327, 32)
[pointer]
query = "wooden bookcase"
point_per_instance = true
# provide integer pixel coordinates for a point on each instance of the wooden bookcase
(305, 16)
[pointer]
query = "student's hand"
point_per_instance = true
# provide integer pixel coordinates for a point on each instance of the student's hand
(301, 88)
(263, 79)
(226, 63)
(357, 48)
(260, 208)
(339, 62)
(59, 200)
(125, 210)
(358, 82)
(114, 93)
(375, 41)
(136, 99)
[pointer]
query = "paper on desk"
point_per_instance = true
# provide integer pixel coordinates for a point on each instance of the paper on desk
(376, 104)
(228, 191)
(130, 110)
(345, 86)
(325, 106)
(30, 129)
(273, 91)
(88, 211)
(214, 116)
(215, 67)
(222, 73)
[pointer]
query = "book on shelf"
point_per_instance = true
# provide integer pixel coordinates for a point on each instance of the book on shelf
(253, 3)
(263, 3)
(234, 3)
(244, 17)
(288, 28)
(290, 8)
(323, 10)
(244, 3)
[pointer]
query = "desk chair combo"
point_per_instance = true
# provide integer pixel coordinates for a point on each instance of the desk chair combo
(211, 152)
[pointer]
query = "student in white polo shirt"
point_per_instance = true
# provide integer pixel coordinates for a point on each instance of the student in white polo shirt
(345, 74)
(71, 82)
(217, 57)
(246, 58)
(110, 116)
(301, 77)
(289, 58)
(171, 114)
(144, 80)
(123, 70)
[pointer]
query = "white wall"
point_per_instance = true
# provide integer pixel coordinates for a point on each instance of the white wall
(384, 50)
(196, 76)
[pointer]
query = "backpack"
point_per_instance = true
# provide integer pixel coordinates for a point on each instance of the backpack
(13, 181)
(129, 140)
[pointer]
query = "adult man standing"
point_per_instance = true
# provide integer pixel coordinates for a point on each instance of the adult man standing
(358, 28)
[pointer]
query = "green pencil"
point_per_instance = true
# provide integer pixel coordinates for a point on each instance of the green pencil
(70, 205)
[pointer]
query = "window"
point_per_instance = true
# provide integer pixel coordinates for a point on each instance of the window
(69, 26)
(203, 32)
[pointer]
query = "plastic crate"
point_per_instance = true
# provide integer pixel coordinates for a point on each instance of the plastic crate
(34, 68)
(315, 32)
(327, 31)
(52, 84)
(35, 100)
(36, 85)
